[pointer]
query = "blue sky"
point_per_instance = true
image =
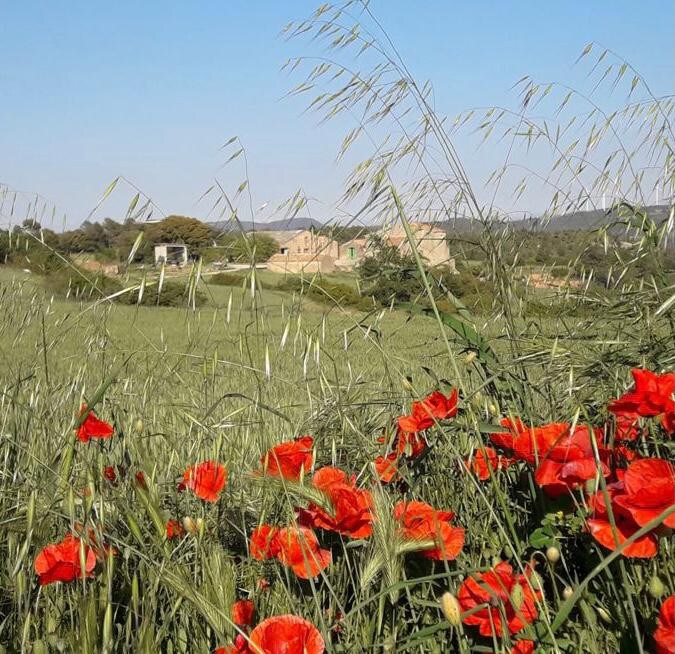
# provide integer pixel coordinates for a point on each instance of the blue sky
(150, 90)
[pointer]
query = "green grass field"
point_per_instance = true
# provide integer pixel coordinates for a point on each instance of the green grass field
(245, 372)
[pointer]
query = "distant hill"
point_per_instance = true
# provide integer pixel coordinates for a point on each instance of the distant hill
(577, 221)
(587, 220)
(284, 225)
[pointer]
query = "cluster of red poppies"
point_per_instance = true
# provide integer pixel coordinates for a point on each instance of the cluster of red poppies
(409, 442)
(629, 494)
(348, 512)
(635, 491)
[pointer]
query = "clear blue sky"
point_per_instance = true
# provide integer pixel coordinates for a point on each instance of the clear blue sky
(91, 90)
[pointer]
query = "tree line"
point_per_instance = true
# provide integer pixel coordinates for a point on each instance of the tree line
(115, 241)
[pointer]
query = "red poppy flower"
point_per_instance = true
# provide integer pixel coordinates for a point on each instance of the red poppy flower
(110, 474)
(174, 529)
(566, 458)
(286, 634)
(651, 395)
(664, 635)
(668, 422)
(485, 460)
(649, 489)
(600, 527)
(387, 468)
(627, 427)
(351, 515)
(263, 544)
(206, 480)
(438, 539)
(299, 549)
(61, 561)
(523, 647)
(240, 646)
(90, 537)
(140, 480)
(505, 439)
(410, 445)
(92, 427)
(494, 588)
(439, 406)
(420, 419)
(243, 612)
(290, 459)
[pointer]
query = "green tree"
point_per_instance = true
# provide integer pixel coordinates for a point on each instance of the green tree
(388, 275)
(181, 229)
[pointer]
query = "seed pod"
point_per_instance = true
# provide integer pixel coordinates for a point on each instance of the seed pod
(656, 587)
(553, 555)
(603, 615)
(567, 592)
(190, 525)
(536, 581)
(517, 597)
(451, 609)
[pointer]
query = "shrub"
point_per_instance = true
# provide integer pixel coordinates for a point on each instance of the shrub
(225, 279)
(326, 292)
(33, 256)
(74, 283)
(173, 294)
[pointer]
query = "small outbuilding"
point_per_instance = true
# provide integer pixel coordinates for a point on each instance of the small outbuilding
(171, 253)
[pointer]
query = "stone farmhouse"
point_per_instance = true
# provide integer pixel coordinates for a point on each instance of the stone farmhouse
(306, 251)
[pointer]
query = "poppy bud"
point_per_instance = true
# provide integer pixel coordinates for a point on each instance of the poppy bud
(135, 593)
(139, 426)
(30, 512)
(553, 555)
(200, 526)
(496, 561)
(189, 525)
(517, 597)
(493, 409)
(140, 480)
(477, 400)
(536, 581)
(656, 587)
(591, 486)
(507, 551)
(20, 583)
(604, 616)
(451, 609)
(567, 592)
(470, 357)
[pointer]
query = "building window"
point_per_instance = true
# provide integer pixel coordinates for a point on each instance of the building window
(284, 250)
(351, 252)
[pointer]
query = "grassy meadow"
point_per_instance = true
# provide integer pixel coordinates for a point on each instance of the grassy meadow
(231, 379)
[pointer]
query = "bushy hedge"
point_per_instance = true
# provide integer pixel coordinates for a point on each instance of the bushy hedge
(75, 284)
(321, 290)
(173, 294)
(225, 279)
